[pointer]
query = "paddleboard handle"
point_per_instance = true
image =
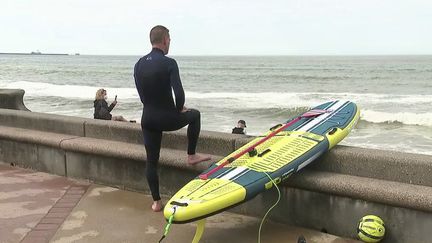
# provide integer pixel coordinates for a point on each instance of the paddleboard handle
(264, 152)
(333, 131)
(275, 126)
(308, 115)
(179, 204)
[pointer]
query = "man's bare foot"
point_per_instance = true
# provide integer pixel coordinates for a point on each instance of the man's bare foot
(157, 206)
(194, 159)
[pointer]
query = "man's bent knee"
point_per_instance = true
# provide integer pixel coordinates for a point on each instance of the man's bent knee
(195, 114)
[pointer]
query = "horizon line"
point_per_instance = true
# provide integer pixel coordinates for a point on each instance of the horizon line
(210, 55)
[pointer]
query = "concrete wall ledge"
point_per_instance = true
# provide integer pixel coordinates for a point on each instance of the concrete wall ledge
(379, 164)
(42, 122)
(34, 137)
(121, 150)
(12, 99)
(99, 147)
(115, 131)
(210, 142)
(215, 143)
(368, 189)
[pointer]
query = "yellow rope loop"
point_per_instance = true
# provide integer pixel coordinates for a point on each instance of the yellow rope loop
(268, 211)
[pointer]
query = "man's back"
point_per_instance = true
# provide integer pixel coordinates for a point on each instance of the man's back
(155, 75)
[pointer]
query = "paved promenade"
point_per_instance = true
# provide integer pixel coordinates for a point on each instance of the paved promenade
(37, 207)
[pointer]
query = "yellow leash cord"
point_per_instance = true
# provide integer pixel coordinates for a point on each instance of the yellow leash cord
(168, 225)
(268, 211)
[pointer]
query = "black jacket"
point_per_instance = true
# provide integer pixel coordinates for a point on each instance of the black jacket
(102, 110)
(238, 130)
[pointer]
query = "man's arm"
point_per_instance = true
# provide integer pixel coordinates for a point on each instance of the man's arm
(177, 86)
(137, 83)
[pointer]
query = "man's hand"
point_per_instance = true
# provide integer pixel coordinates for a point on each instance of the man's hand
(184, 109)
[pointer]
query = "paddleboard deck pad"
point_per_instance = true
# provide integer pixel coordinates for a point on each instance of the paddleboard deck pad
(281, 155)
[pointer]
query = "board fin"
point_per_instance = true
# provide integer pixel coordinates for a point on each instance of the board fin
(199, 230)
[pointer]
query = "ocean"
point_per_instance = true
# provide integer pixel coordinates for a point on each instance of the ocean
(394, 93)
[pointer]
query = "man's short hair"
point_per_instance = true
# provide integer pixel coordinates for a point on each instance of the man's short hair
(157, 34)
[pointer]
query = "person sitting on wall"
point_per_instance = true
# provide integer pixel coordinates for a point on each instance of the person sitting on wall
(101, 109)
(240, 128)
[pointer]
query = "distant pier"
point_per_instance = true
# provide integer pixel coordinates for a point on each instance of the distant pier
(34, 53)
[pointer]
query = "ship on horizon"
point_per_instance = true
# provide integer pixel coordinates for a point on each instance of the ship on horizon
(37, 52)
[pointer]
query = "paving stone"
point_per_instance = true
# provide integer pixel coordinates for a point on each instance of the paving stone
(46, 226)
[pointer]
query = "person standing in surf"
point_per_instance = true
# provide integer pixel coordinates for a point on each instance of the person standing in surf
(156, 76)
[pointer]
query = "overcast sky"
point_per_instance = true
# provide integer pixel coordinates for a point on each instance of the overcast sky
(219, 27)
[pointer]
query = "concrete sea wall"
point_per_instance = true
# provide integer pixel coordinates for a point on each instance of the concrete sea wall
(331, 194)
(12, 99)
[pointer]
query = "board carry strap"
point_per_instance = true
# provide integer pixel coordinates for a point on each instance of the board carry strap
(310, 114)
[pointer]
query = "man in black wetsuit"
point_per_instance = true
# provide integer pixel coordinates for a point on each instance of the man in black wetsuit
(156, 76)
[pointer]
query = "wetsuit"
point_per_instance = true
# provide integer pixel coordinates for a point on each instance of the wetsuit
(156, 76)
